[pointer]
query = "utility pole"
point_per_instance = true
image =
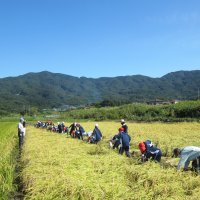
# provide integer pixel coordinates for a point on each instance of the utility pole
(29, 110)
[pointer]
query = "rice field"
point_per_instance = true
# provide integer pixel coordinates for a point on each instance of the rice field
(55, 166)
(9, 152)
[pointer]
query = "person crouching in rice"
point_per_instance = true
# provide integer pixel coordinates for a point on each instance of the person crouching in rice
(96, 135)
(149, 151)
(115, 142)
(89, 135)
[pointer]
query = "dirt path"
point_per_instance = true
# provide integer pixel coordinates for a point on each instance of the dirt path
(19, 194)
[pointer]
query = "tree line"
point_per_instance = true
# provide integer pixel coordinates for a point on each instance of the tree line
(182, 111)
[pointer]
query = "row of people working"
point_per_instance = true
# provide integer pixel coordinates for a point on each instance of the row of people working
(148, 150)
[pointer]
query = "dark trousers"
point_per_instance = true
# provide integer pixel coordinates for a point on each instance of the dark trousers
(116, 144)
(21, 139)
(126, 149)
(157, 157)
(81, 135)
(154, 156)
(196, 164)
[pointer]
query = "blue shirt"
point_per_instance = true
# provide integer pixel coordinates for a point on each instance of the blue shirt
(188, 154)
(124, 139)
(97, 134)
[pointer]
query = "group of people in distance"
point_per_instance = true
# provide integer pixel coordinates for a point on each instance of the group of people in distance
(77, 131)
(121, 141)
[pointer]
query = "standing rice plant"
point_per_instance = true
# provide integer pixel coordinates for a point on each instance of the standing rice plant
(9, 152)
(59, 167)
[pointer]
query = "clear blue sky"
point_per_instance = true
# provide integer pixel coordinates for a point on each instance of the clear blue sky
(99, 38)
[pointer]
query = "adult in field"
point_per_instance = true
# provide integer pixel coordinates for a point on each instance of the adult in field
(124, 125)
(21, 132)
(188, 154)
(96, 134)
(124, 142)
(149, 151)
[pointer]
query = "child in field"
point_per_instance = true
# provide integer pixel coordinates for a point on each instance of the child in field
(89, 135)
(96, 134)
(124, 139)
(149, 151)
(72, 128)
(115, 142)
(124, 126)
(59, 127)
(81, 131)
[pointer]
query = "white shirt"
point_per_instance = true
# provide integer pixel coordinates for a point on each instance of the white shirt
(20, 127)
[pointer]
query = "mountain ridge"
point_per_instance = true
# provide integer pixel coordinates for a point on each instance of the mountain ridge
(47, 90)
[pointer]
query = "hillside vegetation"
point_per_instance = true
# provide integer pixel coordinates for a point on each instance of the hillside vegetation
(34, 91)
(58, 167)
(182, 111)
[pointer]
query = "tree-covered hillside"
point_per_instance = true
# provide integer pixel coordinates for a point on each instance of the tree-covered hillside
(48, 90)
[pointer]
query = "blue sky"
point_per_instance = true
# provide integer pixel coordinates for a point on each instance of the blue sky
(99, 38)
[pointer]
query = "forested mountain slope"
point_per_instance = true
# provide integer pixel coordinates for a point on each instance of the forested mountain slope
(48, 90)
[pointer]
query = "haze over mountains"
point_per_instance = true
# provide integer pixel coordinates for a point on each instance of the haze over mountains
(48, 90)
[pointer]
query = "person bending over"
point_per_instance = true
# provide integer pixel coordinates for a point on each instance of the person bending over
(96, 134)
(188, 154)
(124, 142)
(149, 151)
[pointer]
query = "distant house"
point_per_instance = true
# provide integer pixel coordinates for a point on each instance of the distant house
(174, 101)
(162, 102)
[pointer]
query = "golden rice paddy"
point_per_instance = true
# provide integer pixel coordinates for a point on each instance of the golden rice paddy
(55, 166)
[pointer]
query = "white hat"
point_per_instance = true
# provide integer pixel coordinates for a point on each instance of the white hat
(122, 120)
(96, 125)
(21, 119)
